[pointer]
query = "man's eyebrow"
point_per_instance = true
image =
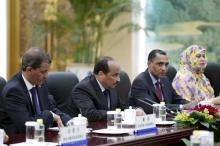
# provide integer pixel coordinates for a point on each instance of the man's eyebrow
(116, 73)
(163, 62)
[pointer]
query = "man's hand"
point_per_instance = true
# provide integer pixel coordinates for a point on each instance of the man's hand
(190, 105)
(57, 119)
(216, 100)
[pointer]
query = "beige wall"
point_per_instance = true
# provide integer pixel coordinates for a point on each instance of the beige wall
(119, 45)
(116, 45)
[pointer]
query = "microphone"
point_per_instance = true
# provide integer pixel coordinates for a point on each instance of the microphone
(153, 102)
(145, 102)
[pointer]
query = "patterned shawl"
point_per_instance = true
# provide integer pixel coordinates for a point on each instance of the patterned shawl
(190, 82)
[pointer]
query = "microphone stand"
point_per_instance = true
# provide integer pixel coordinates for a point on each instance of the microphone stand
(153, 102)
(171, 113)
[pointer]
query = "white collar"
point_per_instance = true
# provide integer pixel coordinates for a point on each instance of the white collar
(27, 83)
(100, 85)
(154, 80)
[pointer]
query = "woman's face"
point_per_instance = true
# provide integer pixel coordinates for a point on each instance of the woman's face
(201, 59)
(198, 59)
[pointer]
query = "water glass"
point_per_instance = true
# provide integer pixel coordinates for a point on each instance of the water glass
(129, 116)
(30, 131)
(111, 120)
(156, 111)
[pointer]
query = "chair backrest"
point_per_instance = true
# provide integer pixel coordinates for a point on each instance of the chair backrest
(2, 84)
(60, 85)
(124, 86)
(212, 72)
(171, 72)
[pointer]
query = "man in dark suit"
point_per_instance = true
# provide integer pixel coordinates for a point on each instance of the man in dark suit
(96, 94)
(152, 86)
(26, 97)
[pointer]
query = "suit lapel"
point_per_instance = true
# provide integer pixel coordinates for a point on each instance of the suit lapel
(151, 87)
(150, 83)
(100, 96)
(24, 87)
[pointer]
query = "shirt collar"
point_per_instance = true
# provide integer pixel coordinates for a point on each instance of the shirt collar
(100, 85)
(27, 83)
(154, 80)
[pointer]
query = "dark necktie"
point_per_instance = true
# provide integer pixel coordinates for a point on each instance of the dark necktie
(107, 95)
(158, 91)
(35, 101)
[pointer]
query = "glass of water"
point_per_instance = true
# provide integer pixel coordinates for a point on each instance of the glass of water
(30, 131)
(111, 120)
(156, 111)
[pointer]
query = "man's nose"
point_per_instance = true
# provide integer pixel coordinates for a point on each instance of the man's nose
(45, 75)
(164, 67)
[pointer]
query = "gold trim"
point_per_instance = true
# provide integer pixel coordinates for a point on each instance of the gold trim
(13, 47)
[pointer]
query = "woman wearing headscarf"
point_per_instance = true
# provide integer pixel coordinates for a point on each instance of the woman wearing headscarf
(190, 81)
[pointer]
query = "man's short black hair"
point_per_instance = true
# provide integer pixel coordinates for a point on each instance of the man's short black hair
(34, 57)
(102, 65)
(153, 53)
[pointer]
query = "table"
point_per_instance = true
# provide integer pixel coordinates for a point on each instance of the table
(164, 135)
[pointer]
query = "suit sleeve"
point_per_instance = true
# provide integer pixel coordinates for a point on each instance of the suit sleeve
(53, 107)
(122, 104)
(19, 110)
(83, 100)
(139, 91)
(176, 99)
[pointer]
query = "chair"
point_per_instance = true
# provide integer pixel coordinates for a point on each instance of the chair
(212, 72)
(123, 86)
(171, 72)
(60, 85)
(2, 84)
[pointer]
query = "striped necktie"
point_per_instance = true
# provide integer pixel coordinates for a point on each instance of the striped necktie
(158, 91)
(107, 95)
(35, 100)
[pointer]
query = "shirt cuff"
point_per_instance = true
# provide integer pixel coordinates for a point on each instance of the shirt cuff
(52, 114)
(181, 107)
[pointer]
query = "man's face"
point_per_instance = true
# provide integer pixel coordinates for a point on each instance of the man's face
(112, 78)
(158, 65)
(38, 75)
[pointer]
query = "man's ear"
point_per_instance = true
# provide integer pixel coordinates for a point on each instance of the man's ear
(28, 68)
(100, 73)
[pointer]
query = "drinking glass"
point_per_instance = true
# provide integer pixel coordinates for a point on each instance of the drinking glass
(30, 131)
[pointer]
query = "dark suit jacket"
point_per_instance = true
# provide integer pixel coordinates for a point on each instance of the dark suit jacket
(16, 107)
(143, 88)
(88, 97)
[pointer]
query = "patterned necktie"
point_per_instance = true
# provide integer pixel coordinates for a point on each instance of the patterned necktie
(107, 95)
(158, 91)
(35, 101)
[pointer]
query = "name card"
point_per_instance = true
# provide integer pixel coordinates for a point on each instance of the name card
(73, 135)
(145, 123)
